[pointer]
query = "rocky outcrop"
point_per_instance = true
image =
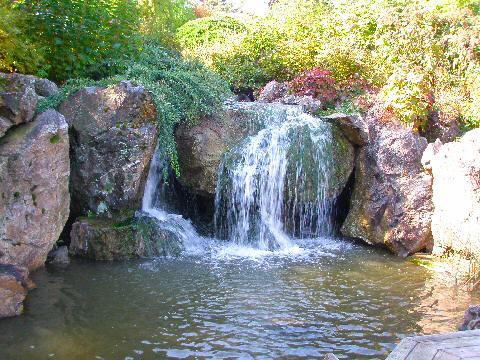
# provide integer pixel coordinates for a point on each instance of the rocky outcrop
(352, 126)
(34, 201)
(113, 137)
(201, 147)
(19, 95)
(392, 197)
(276, 92)
(272, 91)
(14, 285)
(126, 237)
(455, 168)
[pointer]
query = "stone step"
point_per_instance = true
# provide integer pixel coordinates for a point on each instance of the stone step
(456, 345)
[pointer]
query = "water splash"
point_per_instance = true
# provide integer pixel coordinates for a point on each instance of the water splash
(274, 186)
(154, 206)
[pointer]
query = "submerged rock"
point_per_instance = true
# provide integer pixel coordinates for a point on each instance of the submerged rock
(125, 237)
(392, 197)
(456, 195)
(14, 284)
(114, 134)
(59, 256)
(34, 201)
(19, 95)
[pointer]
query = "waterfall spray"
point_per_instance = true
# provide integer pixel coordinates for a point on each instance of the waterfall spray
(273, 186)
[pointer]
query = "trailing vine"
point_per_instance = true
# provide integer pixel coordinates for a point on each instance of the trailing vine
(183, 91)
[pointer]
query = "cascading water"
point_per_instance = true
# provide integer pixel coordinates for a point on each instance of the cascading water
(274, 186)
(154, 206)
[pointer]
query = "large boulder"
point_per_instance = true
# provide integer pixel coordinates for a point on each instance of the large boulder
(352, 126)
(391, 203)
(113, 137)
(125, 237)
(201, 147)
(35, 200)
(456, 195)
(14, 284)
(19, 95)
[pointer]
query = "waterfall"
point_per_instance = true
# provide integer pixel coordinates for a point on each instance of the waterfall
(274, 185)
(154, 206)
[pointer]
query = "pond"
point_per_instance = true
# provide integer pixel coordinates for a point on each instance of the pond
(227, 301)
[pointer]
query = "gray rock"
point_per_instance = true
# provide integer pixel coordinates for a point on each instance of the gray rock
(35, 200)
(45, 88)
(456, 195)
(114, 134)
(308, 103)
(272, 91)
(59, 256)
(429, 153)
(471, 319)
(201, 147)
(19, 95)
(14, 285)
(391, 203)
(353, 127)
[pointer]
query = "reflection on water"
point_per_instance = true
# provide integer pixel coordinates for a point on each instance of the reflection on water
(329, 296)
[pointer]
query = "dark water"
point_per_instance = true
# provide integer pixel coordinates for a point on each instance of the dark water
(233, 303)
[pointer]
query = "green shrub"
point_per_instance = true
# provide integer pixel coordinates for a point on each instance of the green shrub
(206, 31)
(162, 18)
(408, 95)
(17, 52)
(421, 53)
(82, 37)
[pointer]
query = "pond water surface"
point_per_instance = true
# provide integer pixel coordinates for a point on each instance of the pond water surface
(325, 295)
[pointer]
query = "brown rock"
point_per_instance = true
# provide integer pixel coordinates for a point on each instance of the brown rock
(274, 90)
(392, 197)
(13, 290)
(456, 195)
(201, 147)
(19, 95)
(34, 196)
(353, 126)
(114, 134)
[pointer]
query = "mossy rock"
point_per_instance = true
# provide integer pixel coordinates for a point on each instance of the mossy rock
(126, 236)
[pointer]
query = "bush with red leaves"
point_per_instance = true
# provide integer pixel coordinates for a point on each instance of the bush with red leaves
(317, 83)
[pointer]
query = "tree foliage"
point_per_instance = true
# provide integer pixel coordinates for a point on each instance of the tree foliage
(81, 37)
(424, 54)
